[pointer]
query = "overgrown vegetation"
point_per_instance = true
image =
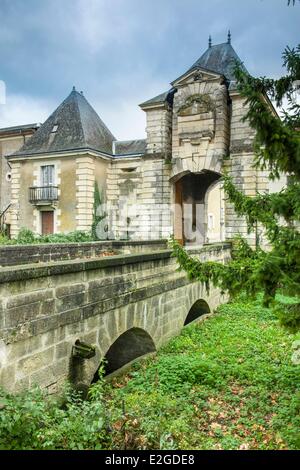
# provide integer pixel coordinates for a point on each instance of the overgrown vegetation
(226, 383)
(277, 150)
(27, 237)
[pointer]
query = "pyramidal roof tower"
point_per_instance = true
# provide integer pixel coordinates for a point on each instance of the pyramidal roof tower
(74, 125)
(220, 58)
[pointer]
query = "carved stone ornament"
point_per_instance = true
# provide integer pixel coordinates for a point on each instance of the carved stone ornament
(196, 104)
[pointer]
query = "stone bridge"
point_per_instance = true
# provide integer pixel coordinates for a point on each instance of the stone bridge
(125, 306)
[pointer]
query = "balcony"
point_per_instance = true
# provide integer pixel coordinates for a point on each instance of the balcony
(43, 195)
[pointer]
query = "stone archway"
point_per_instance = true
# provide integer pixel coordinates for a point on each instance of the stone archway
(190, 224)
(198, 309)
(130, 345)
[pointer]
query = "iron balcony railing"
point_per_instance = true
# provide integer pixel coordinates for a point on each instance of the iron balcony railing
(43, 194)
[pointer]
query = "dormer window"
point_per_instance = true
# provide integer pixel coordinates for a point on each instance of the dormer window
(55, 127)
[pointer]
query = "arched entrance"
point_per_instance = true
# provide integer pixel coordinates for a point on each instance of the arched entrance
(130, 345)
(197, 310)
(190, 226)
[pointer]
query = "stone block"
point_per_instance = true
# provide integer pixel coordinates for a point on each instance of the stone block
(35, 362)
(63, 349)
(70, 301)
(19, 315)
(69, 290)
(44, 377)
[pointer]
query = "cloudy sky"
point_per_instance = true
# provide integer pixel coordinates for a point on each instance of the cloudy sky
(123, 52)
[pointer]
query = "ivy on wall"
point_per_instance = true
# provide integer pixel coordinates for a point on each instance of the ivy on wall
(97, 218)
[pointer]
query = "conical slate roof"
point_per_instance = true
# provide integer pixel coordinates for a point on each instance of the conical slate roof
(220, 58)
(74, 125)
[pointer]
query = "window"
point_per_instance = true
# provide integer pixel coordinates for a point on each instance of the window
(47, 175)
(47, 181)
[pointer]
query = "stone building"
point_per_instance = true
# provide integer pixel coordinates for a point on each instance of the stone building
(11, 140)
(168, 183)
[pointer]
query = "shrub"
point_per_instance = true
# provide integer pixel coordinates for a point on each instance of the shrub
(32, 421)
(27, 237)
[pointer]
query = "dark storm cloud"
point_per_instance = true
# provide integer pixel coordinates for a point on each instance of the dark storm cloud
(122, 52)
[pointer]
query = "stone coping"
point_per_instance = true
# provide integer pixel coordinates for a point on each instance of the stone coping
(16, 255)
(105, 243)
(33, 271)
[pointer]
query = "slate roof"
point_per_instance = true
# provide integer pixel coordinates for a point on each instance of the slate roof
(19, 129)
(129, 147)
(74, 125)
(220, 58)
(167, 96)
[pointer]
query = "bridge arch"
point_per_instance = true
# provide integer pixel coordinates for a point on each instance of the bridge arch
(130, 345)
(197, 310)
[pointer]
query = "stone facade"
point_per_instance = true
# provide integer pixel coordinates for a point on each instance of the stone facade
(154, 188)
(45, 309)
(11, 140)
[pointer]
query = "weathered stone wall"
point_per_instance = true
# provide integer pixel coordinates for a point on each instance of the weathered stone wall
(45, 309)
(200, 134)
(85, 186)
(239, 166)
(27, 254)
(9, 144)
(139, 194)
(159, 129)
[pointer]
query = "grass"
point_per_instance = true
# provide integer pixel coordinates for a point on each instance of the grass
(227, 383)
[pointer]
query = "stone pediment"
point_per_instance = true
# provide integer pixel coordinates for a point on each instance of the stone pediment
(196, 75)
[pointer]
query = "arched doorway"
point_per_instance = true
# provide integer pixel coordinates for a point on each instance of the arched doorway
(190, 226)
(130, 345)
(197, 310)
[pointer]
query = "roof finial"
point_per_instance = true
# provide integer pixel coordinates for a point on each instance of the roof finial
(74, 89)
(229, 37)
(209, 42)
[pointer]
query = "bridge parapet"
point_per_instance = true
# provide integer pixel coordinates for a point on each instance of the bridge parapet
(45, 308)
(14, 255)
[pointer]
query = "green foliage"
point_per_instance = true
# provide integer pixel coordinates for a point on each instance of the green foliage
(226, 383)
(228, 277)
(4, 240)
(32, 421)
(97, 205)
(27, 237)
(72, 237)
(289, 315)
(277, 150)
